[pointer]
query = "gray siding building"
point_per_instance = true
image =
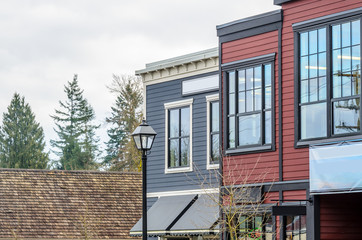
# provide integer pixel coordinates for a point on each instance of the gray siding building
(182, 106)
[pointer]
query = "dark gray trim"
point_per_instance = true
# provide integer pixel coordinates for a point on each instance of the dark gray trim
(289, 210)
(247, 150)
(277, 186)
(251, 26)
(280, 2)
(326, 19)
(248, 61)
(250, 32)
(303, 144)
(280, 105)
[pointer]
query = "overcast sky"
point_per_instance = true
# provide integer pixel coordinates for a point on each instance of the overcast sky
(44, 43)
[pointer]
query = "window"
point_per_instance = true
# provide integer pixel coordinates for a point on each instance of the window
(250, 105)
(213, 135)
(254, 227)
(295, 227)
(178, 142)
(329, 75)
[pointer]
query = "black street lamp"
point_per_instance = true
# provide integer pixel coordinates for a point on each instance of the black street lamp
(143, 136)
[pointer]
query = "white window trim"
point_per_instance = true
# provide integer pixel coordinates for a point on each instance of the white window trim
(177, 104)
(210, 98)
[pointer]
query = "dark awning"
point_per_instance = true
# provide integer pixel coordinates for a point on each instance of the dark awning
(180, 215)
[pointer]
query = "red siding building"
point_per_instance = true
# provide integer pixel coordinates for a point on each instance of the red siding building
(290, 102)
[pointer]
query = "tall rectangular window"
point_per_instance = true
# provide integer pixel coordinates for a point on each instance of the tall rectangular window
(330, 88)
(178, 144)
(249, 110)
(213, 133)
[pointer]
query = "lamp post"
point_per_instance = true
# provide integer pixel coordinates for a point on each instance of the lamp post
(143, 136)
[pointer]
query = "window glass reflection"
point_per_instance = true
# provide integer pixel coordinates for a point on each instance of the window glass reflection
(249, 129)
(313, 121)
(296, 227)
(174, 123)
(346, 116)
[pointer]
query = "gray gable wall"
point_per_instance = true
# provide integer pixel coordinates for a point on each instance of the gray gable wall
(156, 96)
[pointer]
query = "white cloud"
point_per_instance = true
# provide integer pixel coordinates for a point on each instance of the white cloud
(44, 42)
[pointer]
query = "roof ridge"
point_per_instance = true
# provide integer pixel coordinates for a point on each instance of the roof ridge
(67, 171)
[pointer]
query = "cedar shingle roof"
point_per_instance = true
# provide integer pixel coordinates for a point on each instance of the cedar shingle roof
(45, 204)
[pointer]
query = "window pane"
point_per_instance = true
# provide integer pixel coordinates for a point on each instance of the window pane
(322, 65)
(215, 116)
(249, 101)
(304, 44)
(215, 152)
(268, 127)
(174, 153)
(304, 66)
(337, 85)
(174, 123)
(241, 80)
(356, 58)
(267, 75)
(337, 61)
(257, 95)
(249, 78)
(322, 40)
(304, 91)
(336, 36)
(313, 66)
(356, 32)
(249, 130)
(185, 151)
(241, 102)
(346, 34)
(257, 77)
(313, 90)
(232, 132)
(346, 116)
(231, 82)
(232, 103)
(346, 85)
(322, 88)
(268, 96)
(346, 59)
(313, 42)
(313, 121)
(185, 121)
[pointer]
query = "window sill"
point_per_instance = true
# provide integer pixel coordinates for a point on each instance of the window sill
(246, 150)
(306, 143)
(178, 170)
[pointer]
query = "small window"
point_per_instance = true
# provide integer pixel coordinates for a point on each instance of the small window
(213, 134)
(249, 111)
(254, 226)
(178, 142)
(295, 227)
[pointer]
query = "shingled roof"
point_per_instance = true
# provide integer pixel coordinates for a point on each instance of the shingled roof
(45, 204)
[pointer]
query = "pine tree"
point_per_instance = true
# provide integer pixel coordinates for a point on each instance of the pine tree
(77, 142)
(21, 138)
(126, 115)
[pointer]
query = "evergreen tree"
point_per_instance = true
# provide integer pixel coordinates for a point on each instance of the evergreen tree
(77, 142)
(126, 115)
(21, 138)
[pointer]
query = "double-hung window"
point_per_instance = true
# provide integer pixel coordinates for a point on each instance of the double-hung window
(249, 110)
(178, 142)
(213, 134)
(329, 79)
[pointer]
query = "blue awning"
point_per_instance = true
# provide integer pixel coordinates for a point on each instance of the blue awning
(180, 215)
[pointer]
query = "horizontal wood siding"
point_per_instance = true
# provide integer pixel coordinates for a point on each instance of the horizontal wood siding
(340, 216)
(296, 161)
(254, 167)
(157, 180)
